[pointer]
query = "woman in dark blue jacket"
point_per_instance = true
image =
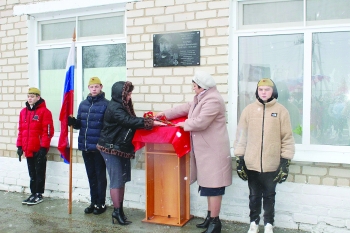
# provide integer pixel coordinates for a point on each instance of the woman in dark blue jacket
(119, 126)
(89, 121)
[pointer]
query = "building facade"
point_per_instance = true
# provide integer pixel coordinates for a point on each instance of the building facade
(303, 45)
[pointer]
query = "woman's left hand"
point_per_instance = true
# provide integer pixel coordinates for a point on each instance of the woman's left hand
(180, 124)
(158, 123)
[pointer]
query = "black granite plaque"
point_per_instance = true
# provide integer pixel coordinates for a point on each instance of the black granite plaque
(176, 49)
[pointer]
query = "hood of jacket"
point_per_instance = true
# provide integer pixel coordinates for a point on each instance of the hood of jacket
(38, 104)
(273, 96)
(119, 94)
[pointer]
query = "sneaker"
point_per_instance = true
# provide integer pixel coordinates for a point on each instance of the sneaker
(31, 197)
(99, 209)
(36, 200)
(268, 228)
(253, 228)
(89, 209)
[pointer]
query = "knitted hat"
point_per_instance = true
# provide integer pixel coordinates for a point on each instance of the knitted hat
(94, 80)
(203, 79)
(265, 82)
(34, 90)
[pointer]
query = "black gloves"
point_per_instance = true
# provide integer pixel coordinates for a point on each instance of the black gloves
(241, 168)
(71, 121)
(282, 171)
(42, 152)
(20, 153)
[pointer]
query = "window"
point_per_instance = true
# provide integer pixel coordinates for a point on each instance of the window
(258, 14)
(330, 109)
(325, 11)
(100, 47)
(95, 56)
(307, 56)
(279, 57)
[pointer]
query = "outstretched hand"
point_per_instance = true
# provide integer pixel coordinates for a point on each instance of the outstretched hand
(180, 124)
(158, 123)
(159, 115)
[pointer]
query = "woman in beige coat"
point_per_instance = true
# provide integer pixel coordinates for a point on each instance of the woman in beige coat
(211, 163)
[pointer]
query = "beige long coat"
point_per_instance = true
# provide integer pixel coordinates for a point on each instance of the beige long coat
(211, 163)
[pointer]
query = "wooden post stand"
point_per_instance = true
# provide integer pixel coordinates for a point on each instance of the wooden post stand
(167, 186)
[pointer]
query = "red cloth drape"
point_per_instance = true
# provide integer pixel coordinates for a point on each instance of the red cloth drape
(176, 136)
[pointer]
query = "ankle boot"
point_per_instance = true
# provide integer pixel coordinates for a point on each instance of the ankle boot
(117, 216)
(122, 212)
(214, 226)
(204, 224)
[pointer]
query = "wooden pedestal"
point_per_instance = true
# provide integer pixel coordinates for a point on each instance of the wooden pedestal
(167, 186)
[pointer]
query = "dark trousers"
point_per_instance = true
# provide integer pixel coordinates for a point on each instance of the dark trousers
(261, 186)
(37, 172)
(96, 172)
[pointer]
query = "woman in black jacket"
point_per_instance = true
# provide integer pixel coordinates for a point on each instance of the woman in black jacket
(119, 125)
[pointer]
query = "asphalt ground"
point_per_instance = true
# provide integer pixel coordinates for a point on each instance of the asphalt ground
(52, 216)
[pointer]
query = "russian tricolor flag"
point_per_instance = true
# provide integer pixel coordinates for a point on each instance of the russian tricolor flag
(67, 105)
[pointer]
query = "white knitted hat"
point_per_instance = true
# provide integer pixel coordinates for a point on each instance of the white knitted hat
(204, 79)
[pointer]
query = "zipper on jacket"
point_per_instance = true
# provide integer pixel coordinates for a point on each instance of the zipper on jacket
(127, 133)
(87, 122)
(262, 140)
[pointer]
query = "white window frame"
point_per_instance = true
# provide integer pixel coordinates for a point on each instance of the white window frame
(305, 152)
(61, 10)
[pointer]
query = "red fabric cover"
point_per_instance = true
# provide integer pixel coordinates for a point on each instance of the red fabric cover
(176, 136)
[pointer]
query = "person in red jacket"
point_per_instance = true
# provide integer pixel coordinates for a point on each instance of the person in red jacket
(35, 131)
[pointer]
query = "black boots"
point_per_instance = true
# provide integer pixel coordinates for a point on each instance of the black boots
(204, 224)
(214, 226)
(122, 212)
(89, 209)
(116, 215)
(99, 209)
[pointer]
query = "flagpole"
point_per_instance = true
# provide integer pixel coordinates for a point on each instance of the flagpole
(71, 152)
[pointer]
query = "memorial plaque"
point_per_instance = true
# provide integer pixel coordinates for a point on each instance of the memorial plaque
(176, 49)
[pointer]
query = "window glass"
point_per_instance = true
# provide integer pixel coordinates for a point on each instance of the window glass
(113, 25)
(327, 10)
(57, 30)
(272, 12)
(330, 103)
(108, 62)
(52, 73)
(279, 57)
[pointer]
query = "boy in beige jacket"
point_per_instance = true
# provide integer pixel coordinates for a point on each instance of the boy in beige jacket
(264, 146)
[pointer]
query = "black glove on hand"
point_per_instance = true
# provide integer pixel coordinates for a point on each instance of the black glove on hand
(20, 153)
(71, 121)
(241, 168)
(42, 152)
(282, 171)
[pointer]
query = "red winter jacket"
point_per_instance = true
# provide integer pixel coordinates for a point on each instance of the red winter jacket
(35, 128)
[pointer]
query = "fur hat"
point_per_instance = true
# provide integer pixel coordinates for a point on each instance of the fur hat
(94, 80)
(203, 79)
(34, 90)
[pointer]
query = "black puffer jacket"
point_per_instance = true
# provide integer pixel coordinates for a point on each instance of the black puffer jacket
(120, 123)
